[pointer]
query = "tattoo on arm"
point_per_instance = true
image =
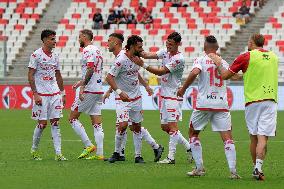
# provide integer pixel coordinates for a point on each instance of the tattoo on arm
(88, 76)
(32, 79)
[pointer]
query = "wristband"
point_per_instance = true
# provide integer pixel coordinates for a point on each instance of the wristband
(145, 66)
(118, 91)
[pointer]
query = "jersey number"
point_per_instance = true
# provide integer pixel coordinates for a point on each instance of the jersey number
(215, 77)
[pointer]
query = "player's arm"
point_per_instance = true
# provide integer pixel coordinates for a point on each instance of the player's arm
(145, 84)
(225, 74)
(237, 77)
(107, 94)
(31, 79)
(59, 81)
(149, 55)
(88, 76)
(110, 79)
(190, 79)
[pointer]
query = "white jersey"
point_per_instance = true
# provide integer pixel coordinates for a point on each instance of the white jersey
(92, 57)
(212, 91)
(45, 66)
(126, 75)
(171, 81)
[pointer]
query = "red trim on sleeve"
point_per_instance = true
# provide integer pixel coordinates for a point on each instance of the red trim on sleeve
(90, 64)
(240, 63)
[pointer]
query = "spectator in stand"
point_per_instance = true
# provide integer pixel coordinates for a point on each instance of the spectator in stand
(129, 17)
(260, 3)
(243, 12)
(176, 3)
(141, 8)
(140, 16)
(112, 18)
(118, 9)
(147, 18)
(98, 19)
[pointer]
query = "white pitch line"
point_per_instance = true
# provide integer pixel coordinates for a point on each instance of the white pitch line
(269, 141)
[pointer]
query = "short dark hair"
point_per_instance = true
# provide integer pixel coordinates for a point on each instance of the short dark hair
(118, 36)
(133, 40)
(211, 39)
(47, 33)
(258, 39)
(175, 36)
(88, 33)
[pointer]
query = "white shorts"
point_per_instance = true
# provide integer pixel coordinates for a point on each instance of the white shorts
(129, 111)
(220, 121)
(91, 105)
(261, 118)
(170, 111)
(51, 108)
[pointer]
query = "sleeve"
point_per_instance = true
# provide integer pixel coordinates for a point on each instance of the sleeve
(196, 64)
(33, 61)
(89, 58)
(175, 64)
(115, 68)
(240, 63)
(160, 53)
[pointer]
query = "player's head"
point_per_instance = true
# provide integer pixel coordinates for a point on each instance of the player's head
(256, 41)
(173, 42)
(115, 40)
(134, 44)
(85, 37)
(211, 44)
(48, 38)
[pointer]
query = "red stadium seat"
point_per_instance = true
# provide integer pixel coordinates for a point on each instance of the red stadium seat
(104, 44)
(205, 32)
(153, 32)
(135, 32)
(227, 26)
(131, 26)
(153, 49)
(277, 25)
(76, 16)
(98, 38)
(189, 49)
(64, 21)
(63, 38)
(19, 27)
(61, 44)
(70, 27)
(119, 31)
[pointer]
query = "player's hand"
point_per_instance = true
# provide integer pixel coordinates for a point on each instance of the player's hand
(138, 61)
(81, 93)
(76, 85)
(142, 54)
(149, 90)
(124, 97)
(216, 59)
(38, 99)
(106, 96)
(180, 92)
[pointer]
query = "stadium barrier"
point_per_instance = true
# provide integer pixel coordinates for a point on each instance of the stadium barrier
(20, 97)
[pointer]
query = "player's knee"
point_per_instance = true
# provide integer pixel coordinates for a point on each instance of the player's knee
(54, 122)
(136, 127)
(121, 128)
(42, 125)
(165, 128)
(72, 120)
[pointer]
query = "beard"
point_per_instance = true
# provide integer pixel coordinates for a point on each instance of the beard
(137, 54)
(82, 45)
(249, 49)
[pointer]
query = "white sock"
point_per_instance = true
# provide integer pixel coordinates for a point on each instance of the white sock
(99, 138)
(230, 152)
(148, 138)
(183, 141)
(118, 141)
(137, 139)
(258, 164)
(123, 144)
(37, 135)
(56, 137)
(196, 149)
(80, 131)
(172, 145)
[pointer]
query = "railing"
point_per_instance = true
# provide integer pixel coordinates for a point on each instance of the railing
(3, 57)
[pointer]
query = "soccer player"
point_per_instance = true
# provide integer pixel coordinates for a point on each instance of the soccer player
(49, 95)
(115, 46)
(260, 74)
(171, 72)
(90, 96)
(212, 105)
(124, 80)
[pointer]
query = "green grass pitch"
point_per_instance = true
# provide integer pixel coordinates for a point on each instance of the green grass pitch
(18, 170)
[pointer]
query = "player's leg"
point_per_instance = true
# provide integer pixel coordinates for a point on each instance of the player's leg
(122, 118)
(39, 113)
(198, 121)
(221, 122)
(137, 140)
(266, 128)
(79, 129)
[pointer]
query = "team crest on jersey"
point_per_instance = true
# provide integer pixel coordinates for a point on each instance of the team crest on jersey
(9, 97)
(191, 97)
(156, 98)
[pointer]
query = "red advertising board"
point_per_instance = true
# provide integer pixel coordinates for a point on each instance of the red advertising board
(20, 96)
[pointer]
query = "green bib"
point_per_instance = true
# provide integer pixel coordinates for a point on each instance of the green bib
(261, 77)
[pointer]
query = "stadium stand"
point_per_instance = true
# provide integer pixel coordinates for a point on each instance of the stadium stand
(196, 20)
(17, 20)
